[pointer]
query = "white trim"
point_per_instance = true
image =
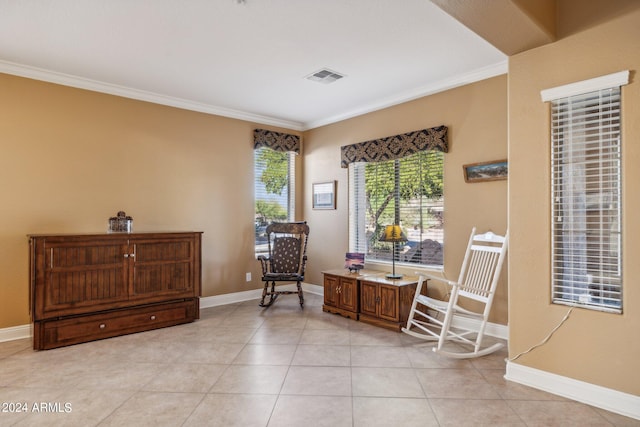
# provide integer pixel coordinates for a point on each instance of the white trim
(585, 86)
(591, 394)
(484, 73)
(140, 95)
(16, 333)
(216, 300)
(492, 329)
(235, 297)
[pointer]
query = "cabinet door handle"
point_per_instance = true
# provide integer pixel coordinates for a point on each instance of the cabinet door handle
(377, 299)
(126, 255)
(153, 317)
(102, 326)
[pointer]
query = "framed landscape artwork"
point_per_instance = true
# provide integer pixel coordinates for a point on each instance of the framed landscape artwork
(486, 171)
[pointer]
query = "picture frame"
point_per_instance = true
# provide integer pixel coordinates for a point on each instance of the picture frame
(495, 170)
(324, 195)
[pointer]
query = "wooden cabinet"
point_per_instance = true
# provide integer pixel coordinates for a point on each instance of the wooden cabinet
(385, 302)
(379, 300)
(87, 287)
(341, 295)
(369, 297)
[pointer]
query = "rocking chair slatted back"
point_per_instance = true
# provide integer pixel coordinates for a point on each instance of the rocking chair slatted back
(480, 272)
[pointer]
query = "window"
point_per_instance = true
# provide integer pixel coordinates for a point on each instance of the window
(407, 191)
(274, 173)
(586, 195)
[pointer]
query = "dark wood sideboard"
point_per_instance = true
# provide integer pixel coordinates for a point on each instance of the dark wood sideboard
(368, 296)
(93, 286)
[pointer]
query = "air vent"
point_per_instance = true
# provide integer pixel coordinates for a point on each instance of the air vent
(324, 76)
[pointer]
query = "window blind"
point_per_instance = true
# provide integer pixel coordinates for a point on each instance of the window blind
(408, 192)
(586, 200)
(274, 184)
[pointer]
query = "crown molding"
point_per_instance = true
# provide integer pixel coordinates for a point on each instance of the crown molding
(155, 98)
(140, 95)
(439, 86)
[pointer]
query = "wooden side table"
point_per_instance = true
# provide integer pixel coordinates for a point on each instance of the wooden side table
(369, 297)
(341, 291)
(385, 302)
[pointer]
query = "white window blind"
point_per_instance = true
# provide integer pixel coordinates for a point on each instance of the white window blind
(409, 192)
(274, 183)
(586, 200)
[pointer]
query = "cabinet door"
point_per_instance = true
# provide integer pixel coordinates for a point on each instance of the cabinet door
(368, 298)
(75, 276)
(348, 294)
(388, 297)
(331, 290)
(162, 267)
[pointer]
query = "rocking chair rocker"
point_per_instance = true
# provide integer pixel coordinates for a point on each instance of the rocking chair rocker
(442, 321)
(287, 243)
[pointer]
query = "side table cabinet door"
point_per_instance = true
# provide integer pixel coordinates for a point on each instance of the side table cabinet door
(368, 297)
(389, 302)
(330, 290)
(348, 294)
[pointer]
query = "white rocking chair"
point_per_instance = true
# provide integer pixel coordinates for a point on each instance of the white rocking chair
(436, 320)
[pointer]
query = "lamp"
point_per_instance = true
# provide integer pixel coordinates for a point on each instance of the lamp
(393, 234)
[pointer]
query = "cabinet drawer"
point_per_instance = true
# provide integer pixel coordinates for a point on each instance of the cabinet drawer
(57, 333)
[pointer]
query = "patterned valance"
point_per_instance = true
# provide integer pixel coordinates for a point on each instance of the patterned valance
(276, 140)
(395, 147)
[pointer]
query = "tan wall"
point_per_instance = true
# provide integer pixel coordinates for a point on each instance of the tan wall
(595, 347)
(476, 115)
(70, 159)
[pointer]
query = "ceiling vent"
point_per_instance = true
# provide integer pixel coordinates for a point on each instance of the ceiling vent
(324, 76)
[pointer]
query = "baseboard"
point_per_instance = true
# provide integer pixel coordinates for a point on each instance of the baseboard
(594, 395)
(491, 329)
(16, 333)
(235, 297)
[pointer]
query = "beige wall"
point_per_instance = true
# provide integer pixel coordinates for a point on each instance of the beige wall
(70, 159)
(597, 348)
(476, 116)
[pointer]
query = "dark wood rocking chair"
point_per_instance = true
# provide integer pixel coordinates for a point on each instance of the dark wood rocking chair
(287, 243)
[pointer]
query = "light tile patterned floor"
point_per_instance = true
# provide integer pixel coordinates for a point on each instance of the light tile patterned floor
(241, 365)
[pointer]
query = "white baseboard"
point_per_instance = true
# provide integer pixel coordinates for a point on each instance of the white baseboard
(491, 329)
(16, 333)
(594, 395)
(235, 297)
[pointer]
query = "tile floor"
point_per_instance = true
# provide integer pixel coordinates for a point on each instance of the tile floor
(241, 365)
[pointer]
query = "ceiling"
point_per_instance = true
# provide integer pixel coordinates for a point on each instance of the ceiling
(247, 59)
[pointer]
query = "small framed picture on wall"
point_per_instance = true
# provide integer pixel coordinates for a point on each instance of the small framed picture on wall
(486, 171)
(324, 195)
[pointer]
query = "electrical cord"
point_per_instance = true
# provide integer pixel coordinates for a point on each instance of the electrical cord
(544, 341)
